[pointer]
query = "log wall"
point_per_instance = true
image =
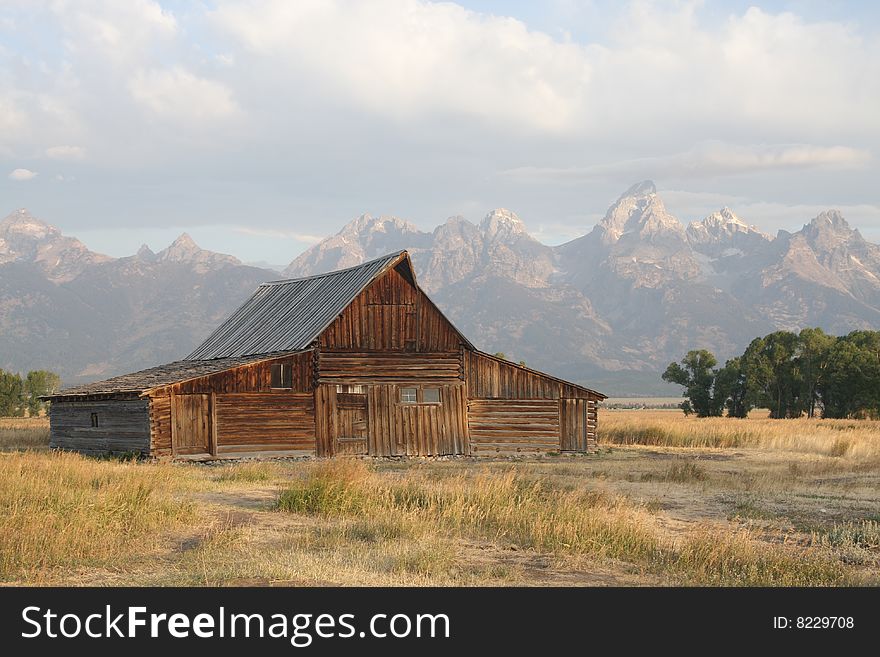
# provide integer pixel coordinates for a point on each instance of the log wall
(508, 425)
(160, 425)
(248, 422)
(123, 426)
(384, 367)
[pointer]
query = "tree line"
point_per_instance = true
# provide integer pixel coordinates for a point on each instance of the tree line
(793, 374)
(20, 396)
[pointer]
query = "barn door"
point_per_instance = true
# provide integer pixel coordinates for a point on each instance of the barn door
(191, 424)
(351, 423)
(573, 423)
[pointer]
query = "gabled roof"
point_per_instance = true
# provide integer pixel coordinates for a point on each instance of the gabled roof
(155, 377)
(289, 315)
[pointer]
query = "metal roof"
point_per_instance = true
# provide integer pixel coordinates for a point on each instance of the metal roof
(289, 315)
(156, 377)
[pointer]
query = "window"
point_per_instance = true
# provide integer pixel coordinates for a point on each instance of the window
(94, 419)
(351, 388)
(420, 395)
(281, 375)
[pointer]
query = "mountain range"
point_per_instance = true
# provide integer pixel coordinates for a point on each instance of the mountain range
(610, 308)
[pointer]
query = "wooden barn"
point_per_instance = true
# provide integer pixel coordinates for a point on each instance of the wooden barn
(357, 361)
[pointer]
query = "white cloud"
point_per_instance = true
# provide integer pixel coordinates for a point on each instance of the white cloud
(178, 94)
(661, 72)
(415, 106)
(119, 30)
(66, 152)
(707, 160)
(406, 58)
(22, 174)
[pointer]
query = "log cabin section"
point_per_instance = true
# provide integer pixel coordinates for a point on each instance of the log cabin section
(354, 362)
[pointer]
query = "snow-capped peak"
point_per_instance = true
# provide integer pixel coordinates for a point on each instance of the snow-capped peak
(502, 223)
(638, 210)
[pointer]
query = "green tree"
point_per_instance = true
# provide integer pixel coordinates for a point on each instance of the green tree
(851, 386)
(11, 391)
(812, 361)
(37, 383)
(697, 374)
(730, 388)
(772, 378)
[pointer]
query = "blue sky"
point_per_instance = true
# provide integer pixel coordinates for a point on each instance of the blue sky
(260, 126)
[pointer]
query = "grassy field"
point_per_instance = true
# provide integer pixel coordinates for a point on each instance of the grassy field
(17, 433)
(668, 500)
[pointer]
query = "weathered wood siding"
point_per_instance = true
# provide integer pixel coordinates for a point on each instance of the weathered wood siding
(325, 419)
(192, 424)
(254, 377)
(492, 378)
(242, 411)
(392, 428)
(385, 367)
(391, 315)
(123, 426)
(160, 425)
(351, 425)
(397, 429)
(578, 419)
(249, 422)
(508, 425)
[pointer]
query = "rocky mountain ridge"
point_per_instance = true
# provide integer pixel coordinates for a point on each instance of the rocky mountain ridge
(611, 307)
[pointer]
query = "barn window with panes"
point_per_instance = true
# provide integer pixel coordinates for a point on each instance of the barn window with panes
(281, 375)
(409, 396)
(431, 395)
(94, 419)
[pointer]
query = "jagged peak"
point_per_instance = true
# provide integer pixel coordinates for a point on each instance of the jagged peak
(184, 239)
(724, 216)
(456, 223)
(182, 248)
(145, 253)
(830, 218)
(643, 188)
(828, 230)
(502, 220)
(367, 223)
(640, 210)
(724, 220)
(21, 221)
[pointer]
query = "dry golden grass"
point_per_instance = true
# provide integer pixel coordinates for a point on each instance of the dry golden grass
(856, 439)
(498, 506)
(749, 505)
(539, 514)
(24, 433)
(62, 511)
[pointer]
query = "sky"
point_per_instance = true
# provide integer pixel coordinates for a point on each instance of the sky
(259, 127)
